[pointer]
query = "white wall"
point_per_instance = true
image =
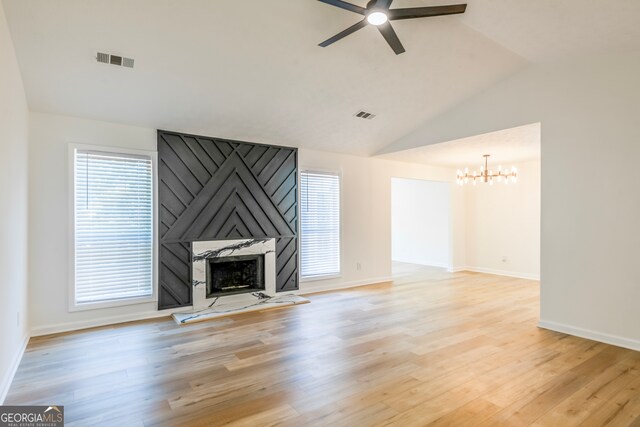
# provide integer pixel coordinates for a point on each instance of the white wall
(366, 213)
(503, 225)
(590, 230)
(14, 326)
(420, 222)
(49, 217)
(366, 217)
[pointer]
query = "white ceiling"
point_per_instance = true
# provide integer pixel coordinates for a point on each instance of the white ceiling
(544, 30)
(252, 70)
(506, 146)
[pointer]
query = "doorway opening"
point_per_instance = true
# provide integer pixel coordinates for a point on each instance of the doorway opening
(420, 225)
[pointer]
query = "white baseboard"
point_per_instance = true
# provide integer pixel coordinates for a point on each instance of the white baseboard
(507, 273)
(591, 335)
(425, 264)
(309, 287)
(8, 377)
(102, 321)
(313, 287)
(432, 264)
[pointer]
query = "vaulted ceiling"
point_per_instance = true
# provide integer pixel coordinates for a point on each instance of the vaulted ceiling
(252, 70)
(517, 144)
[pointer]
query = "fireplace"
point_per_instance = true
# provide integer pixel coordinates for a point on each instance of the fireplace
(232, 270)
(235, 275)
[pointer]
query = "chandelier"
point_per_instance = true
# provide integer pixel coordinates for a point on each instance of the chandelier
(486, 175)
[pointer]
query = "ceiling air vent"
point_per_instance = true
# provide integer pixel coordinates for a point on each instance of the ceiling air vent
(364, 115)
(117, 60)
(103, 57)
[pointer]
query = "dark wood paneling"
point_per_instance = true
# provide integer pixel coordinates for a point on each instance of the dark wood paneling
(213, 189)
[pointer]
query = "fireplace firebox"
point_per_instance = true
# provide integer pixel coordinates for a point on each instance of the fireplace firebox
(235, 275)
(232, 270)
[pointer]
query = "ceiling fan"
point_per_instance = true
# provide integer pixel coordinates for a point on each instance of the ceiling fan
(378, 13)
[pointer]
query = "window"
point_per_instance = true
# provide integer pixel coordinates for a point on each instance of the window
(113, 227)
(320, 224)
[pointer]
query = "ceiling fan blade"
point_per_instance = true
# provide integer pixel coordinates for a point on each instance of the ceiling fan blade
(352, 29)
(422, 12)
(344, 5)
(384, 4)
(391, 37)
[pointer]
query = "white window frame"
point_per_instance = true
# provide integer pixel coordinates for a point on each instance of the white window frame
(302, 279)
(153, 155)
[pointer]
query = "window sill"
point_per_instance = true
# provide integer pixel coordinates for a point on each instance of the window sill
(110, 304)
(320, 278)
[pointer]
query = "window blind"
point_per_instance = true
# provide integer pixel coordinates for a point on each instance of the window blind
(319, 224)
(113, 226)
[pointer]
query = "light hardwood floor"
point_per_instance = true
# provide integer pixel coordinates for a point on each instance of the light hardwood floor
(431, 349)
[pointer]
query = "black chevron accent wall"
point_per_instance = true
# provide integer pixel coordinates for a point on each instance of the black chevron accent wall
(215, 189)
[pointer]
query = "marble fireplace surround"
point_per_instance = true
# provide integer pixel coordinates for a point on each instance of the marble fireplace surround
(203, 250)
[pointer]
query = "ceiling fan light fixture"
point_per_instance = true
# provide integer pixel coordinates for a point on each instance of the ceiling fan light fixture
(379, 14)
(377, 18)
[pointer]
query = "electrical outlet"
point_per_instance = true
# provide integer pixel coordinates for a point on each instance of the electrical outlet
(358, 266)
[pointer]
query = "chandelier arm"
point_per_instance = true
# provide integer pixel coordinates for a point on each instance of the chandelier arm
(485, 175)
